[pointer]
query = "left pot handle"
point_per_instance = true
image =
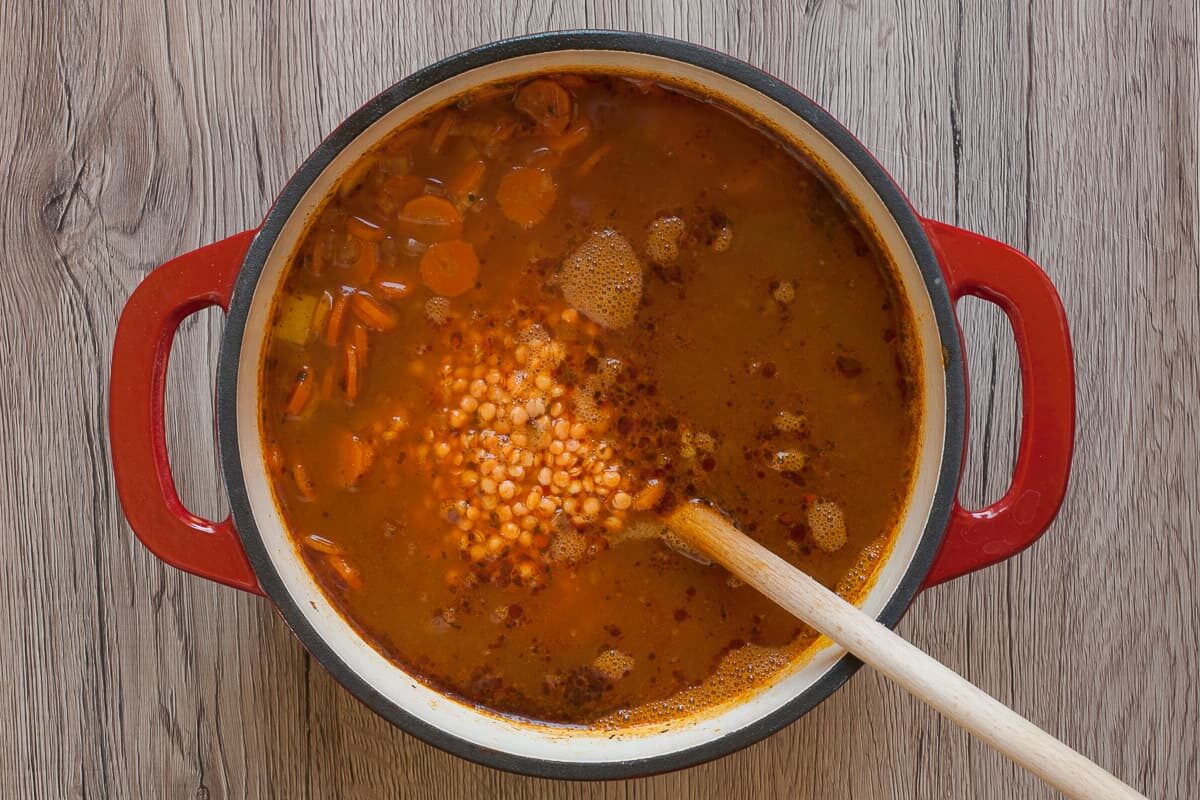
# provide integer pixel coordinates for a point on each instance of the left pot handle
(163, 299)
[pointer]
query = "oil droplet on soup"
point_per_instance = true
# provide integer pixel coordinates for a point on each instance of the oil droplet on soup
(525, 326)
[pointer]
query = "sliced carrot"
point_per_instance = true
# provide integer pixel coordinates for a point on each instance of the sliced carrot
(526, 195)
(302, 392)
(366, 263)
(393, 289)
(430, 219)
(317, 255)
(571, 140)
(440, 133)
(322, 545)
(495, 142)
(361, 341)
(320, 317)
(275, 457)
(589, 163)
(377, 316)
(397, 189)
(546, 103)
(365, 229)
(466, 182)
(349, 575)
(450, 268)
(351, 358)
(304, 484)
(355, 459)
(334, 329)
(327, 385)
(545, 158)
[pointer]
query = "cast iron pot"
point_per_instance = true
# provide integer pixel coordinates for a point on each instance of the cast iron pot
(938, 539)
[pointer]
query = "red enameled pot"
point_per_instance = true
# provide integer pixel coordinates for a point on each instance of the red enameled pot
(938, 539)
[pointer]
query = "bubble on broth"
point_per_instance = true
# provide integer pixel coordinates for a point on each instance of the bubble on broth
(588, 410)
(827, 524)
(789, 422)
(532, 334)
(788, 461)
(742, 667)
(784, 293)
(567, 545)
(851, 584)
(437, 309)
(608, 371)
(662, 239)
(586, 400)
(603, 279)
(613, 664)
(684, 549)
(639, 529)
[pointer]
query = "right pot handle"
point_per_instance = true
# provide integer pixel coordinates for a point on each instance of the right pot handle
(163, 299)
(981, 267)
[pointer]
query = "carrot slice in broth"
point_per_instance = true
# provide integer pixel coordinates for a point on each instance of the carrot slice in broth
(429, 218)
(466, 181)
(364, 229)
(397, 189)
(571, 140)
(304, 483)
(440, 133)
(546, 103)
(589, 163)
(334, 329)
(355, 459)
(376, 315)
(320, 317)
(322, 545)
(346, 572)
(526, 195)
(361, 341)
(302, 392)
(351, 358)
(450, 268)
(392, 289)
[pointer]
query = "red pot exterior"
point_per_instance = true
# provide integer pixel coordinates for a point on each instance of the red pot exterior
(192, 282)
(984, 268)
(956, 541)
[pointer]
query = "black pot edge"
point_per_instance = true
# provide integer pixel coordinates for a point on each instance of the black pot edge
(893, 198)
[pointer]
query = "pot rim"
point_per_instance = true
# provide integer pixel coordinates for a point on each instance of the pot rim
(897, 206)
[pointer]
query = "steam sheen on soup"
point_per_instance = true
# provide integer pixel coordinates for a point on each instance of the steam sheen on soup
(531, 321)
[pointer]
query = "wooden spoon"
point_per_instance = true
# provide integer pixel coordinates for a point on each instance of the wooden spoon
(919, 673)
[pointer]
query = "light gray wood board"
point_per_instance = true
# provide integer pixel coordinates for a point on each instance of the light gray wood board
(131, 133)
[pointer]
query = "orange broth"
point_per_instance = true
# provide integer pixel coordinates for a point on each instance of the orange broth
(532, 320)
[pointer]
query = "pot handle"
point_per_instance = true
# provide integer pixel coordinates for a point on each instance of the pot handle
(984, 268)
(163, 299)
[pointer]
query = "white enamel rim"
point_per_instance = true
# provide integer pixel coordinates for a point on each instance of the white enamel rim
(556, 744)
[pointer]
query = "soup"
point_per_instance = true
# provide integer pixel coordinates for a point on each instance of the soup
(530, 322)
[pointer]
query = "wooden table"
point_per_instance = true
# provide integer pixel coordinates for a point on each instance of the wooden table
(133, 133)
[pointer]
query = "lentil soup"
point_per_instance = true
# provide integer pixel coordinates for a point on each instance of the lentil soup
(532, 320)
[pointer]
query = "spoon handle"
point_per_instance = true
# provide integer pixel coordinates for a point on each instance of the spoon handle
(919, 673)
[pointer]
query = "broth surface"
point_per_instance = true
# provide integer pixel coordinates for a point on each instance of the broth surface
(658, 301)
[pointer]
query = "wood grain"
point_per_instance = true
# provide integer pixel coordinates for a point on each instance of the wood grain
(133, 132)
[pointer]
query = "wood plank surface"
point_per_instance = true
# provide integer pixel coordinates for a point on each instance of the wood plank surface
(132, 132)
